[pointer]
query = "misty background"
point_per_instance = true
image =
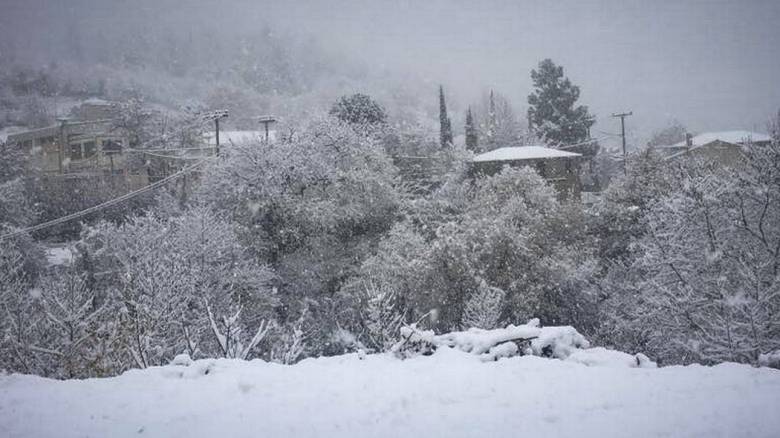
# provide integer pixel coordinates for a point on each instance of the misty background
(712, 65)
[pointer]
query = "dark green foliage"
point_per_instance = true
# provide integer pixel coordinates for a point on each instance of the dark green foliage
(445, 130)
(552, 112)
(359, 109)
(472, 139)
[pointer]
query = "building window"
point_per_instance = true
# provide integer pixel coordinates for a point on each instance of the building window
(541, 168)
(75, 151)
(89, 149)
(112, 146)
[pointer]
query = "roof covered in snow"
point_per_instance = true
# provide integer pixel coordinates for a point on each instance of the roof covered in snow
(10, 130)
(735, 137)
(523, 153)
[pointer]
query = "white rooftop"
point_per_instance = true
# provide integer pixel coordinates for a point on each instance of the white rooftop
(735, 137)
(523, 153)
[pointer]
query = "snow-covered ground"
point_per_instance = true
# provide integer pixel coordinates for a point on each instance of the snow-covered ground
(448, 394)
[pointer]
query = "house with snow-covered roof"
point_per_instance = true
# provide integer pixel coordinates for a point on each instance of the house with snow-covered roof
(723, 147)
(558, 167)
(85, 144)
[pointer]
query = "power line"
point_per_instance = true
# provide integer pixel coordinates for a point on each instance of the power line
(588, 141)
(610, 134)
(101, 206)
(175, 157)
(167, 149)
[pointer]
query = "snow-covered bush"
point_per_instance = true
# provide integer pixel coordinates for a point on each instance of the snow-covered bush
(701, 283)
(175, 280)
(483, 308)
(15, 304)
(771, 360)
(562, 342)
(490, 345)
(76, 333)
(291, 345)
(414, 342)
(383, 317)
(15, 206)
(558, 342)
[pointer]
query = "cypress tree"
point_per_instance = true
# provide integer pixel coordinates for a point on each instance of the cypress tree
(472, 141)
(444, 121)
(492, 124)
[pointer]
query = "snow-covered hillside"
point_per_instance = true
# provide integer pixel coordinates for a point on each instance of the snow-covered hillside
(448, 394)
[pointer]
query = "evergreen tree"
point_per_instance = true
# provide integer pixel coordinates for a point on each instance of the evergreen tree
(359, 109)
(552, 112)
(444, 121)
(492, 123)
(472, 141)
(499, 124)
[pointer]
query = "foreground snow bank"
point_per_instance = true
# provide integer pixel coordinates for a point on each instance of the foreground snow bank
(448, 394)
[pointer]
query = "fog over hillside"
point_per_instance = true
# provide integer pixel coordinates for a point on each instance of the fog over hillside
(711, 64)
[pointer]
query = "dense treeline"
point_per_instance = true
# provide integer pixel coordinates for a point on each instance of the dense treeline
(321, 243)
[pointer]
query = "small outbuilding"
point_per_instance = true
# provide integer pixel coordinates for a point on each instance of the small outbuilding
(558, 167)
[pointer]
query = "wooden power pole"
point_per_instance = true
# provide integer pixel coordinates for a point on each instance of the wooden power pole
(215, 116)
(266, 120)
(623, 133)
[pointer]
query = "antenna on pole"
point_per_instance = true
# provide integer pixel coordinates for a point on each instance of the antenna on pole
(623, 134)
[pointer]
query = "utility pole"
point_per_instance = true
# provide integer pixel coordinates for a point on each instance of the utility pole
(61, 142)
(623, 134)
(266, 120)
(216, 124)
(215, 116)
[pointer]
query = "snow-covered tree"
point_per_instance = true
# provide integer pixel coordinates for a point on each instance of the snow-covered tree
(359, 109)
(170, 276)
(77, 333)
(499, 126)
(553, 112)
(673, 133)
(326, 181)
(509, 230)
(16, 208)
(383, 317)
(704, 277)
(18, 322)
(310, 205)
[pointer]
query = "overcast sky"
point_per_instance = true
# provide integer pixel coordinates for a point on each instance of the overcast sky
(714, 65)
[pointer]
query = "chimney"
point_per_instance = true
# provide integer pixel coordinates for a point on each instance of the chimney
(688, 139)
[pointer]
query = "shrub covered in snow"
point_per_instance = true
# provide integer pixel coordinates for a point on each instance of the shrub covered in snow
(562, 342)
(771, 360)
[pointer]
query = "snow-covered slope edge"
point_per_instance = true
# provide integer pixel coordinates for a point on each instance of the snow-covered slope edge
(450, 393)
